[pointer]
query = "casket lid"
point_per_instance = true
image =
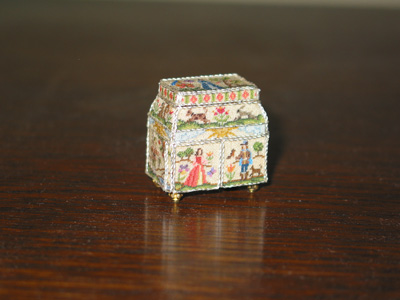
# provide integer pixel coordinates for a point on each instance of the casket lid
(202, 90)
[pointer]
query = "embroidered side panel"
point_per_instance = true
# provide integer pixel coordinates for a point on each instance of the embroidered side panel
(157, 147)
(162, 112)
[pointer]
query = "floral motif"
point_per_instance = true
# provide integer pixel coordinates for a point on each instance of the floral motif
(221, 115)
(245, 94)
(206, 98)
(183, 170)
(209, 156)
(232, 96)
(220, 97)
(231, 168)
(169, 116)
(193, 99)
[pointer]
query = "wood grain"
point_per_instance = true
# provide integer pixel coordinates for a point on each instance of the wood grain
(80, 220)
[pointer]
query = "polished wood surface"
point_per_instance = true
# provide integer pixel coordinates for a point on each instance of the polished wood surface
(79, 219)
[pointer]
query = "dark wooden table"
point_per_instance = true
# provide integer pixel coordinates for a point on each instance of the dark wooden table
(79, 219)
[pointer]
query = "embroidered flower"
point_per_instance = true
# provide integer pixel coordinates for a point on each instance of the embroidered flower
(220, 97)
(230, 174)
(232, 96)
(206, 98)
(171, 95)
(220, 110)
(165, 93)
(193, 99)
(183, 169)
(245, 94)
(221, 115)
(231, 168)
(184, 84)
(209, 156)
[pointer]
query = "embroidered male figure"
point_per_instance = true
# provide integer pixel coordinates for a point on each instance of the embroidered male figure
(244, 160)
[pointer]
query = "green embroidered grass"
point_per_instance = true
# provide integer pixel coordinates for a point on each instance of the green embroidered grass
(179, 187)
(244, 182)
(163, 121)
(182, 125)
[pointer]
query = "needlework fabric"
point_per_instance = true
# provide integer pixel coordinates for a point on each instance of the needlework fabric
(207, 142)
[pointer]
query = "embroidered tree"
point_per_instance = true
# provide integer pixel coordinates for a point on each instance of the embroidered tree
(258, 146)
(181, 155)
(188, 152)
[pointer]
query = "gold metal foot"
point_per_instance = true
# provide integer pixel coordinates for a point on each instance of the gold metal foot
(253, 188)
(156, 183)
(175, 197)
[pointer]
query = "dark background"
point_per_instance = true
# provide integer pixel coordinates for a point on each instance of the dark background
(80, 219)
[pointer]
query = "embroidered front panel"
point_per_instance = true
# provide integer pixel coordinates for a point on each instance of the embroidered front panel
(162, 112)
(197, 167)
(215, 116)
(244, 162)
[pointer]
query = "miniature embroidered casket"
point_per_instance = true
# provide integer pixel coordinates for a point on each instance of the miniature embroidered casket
(205, 133)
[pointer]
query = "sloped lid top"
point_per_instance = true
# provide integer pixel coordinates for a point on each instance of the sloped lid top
(206, 89)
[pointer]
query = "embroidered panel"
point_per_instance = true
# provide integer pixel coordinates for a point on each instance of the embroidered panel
(156, 155)
(219, 134)
(205, 83)
(162, 112)
(205, 133)
(156, 125)
(214, 116)
(244, 162)
(197, 167)
(203, 90)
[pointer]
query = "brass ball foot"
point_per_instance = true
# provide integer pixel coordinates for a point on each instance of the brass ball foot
(156, 183)
(253, 188)
(175, 197)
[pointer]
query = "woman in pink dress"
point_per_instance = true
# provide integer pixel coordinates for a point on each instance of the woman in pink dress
(197, 175)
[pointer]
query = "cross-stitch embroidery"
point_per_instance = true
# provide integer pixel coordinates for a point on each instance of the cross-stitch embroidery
(205, 133)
